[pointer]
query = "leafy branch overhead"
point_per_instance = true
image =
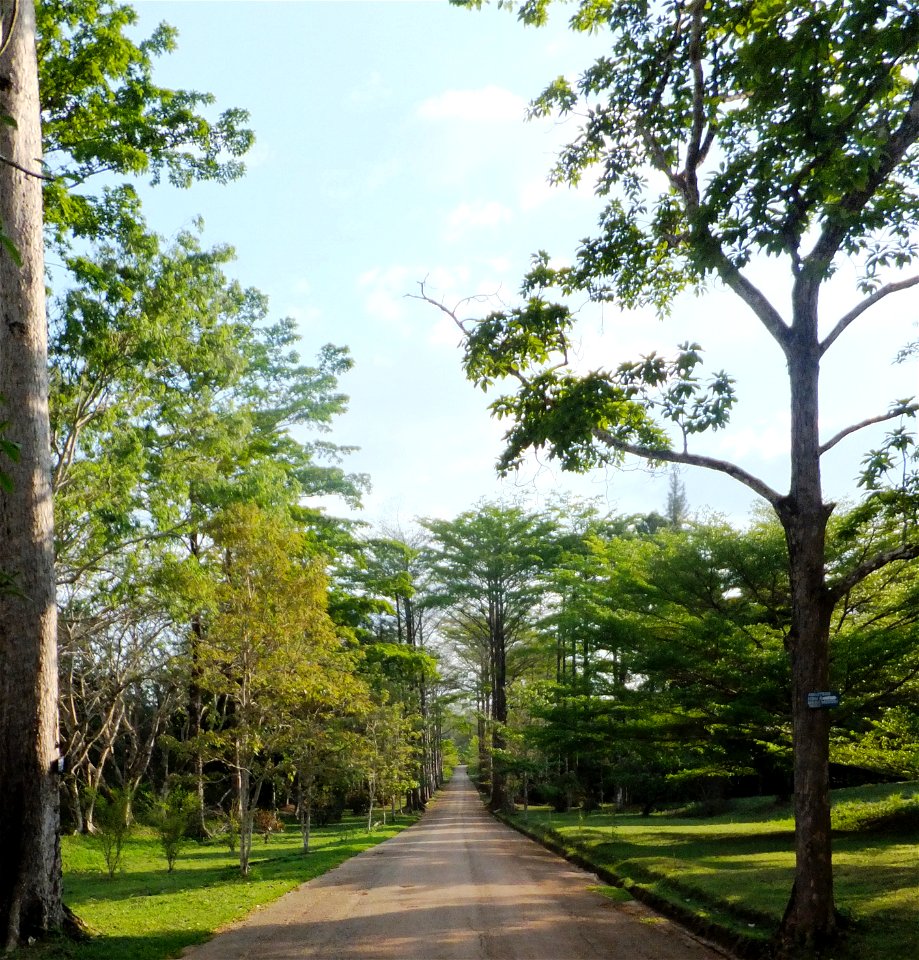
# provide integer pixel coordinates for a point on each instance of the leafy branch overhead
(560, 411)
(103, 113)
(715, 133)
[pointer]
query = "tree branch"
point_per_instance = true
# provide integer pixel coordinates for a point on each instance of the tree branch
(25, 170)
(694, 460)
(855, 201)
(754, 298)
(839, 588)
(855, 427)
(693, 148)
(452, 314)
(860, 308)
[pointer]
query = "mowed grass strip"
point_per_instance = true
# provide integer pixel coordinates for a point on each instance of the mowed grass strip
(735, 870)
(146, 913)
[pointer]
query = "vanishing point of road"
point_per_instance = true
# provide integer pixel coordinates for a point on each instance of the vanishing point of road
(458, 885)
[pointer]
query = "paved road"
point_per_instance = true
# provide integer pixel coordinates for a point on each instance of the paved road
(456, 886)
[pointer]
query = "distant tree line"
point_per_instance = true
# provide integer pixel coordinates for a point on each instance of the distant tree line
(642, 659)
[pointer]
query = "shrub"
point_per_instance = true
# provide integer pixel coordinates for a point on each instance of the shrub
(172, 818)
(266, 823)
(112, 827)
(231, 830)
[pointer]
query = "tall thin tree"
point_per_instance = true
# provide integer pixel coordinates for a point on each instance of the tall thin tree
(30, 886)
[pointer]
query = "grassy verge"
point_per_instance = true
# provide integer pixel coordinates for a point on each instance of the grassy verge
(146, 913)
(729, 876)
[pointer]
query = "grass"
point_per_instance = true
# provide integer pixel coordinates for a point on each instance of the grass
(146, 913)
(732, 873)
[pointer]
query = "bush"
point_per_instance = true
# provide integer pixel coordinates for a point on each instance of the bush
(359, 803)
(229, 828)
(172, 819)
(266, 823)
(896, 814)
(112, 827)
(329, 807)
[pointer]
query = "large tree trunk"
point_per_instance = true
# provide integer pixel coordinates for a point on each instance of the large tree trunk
(811, 914)
(30, 878)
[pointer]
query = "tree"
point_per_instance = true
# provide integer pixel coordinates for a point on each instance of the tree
(30, 886)
(723, 131)
(103, 113)
(394, 570)
(487, 565)
(268, 635)
(677, 504)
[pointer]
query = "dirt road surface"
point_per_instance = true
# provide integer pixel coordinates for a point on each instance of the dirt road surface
(456, 886)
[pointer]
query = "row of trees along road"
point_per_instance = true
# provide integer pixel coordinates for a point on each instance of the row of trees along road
(719, 132)
(643, 659)
(213, 632)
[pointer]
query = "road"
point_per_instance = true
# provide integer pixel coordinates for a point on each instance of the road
(456, 886)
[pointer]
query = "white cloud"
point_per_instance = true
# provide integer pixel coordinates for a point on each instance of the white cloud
(537, 191)
(485, 105)
(470, 216)
(383, 173)
(498, 264)
(444, 333)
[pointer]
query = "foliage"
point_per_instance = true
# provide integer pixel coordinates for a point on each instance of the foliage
(113, 827)
(172, 820)
(103, 113)
(487, 568)
(9, 449)
(268, 630)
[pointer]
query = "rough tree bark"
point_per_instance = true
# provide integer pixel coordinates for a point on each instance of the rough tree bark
(30, 884)
(811, 912)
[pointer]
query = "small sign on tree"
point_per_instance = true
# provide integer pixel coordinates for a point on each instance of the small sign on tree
(823, 700)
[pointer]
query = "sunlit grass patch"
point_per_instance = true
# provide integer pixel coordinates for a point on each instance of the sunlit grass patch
(146, 913)
(736, 869)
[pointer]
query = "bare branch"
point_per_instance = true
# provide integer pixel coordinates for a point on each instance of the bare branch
(860, 308)
(839, 588)
(694, 460)
(25, 170)
(755, 299)
(855, 427)
(451, 313)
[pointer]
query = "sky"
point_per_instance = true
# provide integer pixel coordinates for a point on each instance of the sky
(392, 148)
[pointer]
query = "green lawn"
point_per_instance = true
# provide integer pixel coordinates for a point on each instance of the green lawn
(735, 870)
(146, 913)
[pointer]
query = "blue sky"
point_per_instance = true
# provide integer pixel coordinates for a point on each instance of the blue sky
(392, 148)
